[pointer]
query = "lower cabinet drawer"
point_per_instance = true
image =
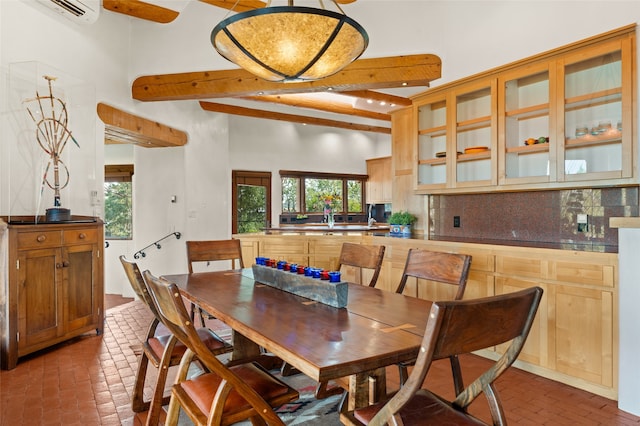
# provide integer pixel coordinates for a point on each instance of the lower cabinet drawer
(39, 239)
(78, 236)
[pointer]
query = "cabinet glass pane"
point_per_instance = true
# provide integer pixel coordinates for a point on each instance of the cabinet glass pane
(602, 158)
(473, 131)
(593, 115)
(432, 174)
(432, 143)
(470, 171)
(432, 115)
(527, 126)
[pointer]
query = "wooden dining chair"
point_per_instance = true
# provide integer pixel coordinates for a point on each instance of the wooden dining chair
(439, 267)
(454, 328)
(362, 257)
(223, 394)
(153, 348)
(212, 251)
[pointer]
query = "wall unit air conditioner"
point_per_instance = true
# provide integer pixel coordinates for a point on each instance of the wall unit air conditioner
(80, 11)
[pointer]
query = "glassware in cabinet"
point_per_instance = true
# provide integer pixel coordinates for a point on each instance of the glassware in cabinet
(525, 138)
(595, 106)
(432, 143)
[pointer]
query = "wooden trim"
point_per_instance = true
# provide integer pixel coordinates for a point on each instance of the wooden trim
(118, 172)
(257, 113)
(321, 175)
(123, 127)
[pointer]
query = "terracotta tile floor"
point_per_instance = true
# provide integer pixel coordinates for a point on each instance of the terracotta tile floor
(88, 381)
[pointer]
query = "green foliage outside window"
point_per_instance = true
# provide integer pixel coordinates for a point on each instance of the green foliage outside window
(118, 210)
(252, 216)
(290, 195)
(317, 190)
(354, 196)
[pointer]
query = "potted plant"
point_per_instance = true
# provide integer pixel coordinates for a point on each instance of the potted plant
(400, 223)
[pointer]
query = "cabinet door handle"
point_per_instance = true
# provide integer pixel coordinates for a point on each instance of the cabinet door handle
(82, 236)
(58, 265)
(65, 264)
(41, 238)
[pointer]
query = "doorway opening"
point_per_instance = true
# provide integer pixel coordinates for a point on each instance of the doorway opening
(251, 201)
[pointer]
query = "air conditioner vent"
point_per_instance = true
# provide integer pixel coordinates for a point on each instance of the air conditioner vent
(80, 11)
(69, 7)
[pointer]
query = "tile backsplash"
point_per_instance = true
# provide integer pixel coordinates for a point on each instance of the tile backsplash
(545, 216)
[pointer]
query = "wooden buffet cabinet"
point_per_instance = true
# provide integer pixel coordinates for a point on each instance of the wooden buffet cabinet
(574, 337)
(52, 289)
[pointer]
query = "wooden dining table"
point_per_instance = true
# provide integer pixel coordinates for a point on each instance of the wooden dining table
(376, 329)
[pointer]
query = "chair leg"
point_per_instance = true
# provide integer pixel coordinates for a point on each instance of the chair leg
(173, 412)
(138, 403)
(322, 392)
(158, 399)
(403, 373)
(288, 370)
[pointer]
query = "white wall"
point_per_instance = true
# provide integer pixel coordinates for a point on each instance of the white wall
(469, 37)
(271, 146)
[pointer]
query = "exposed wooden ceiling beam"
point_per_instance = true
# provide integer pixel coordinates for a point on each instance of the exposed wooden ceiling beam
(123, 127)
(304, 102)
(142, 10)
(256, 113)
(378, 97)
(362, 74)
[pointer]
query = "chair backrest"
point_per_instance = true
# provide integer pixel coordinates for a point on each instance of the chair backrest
(137, 283)
(214, 250)
(463, 326)
(175, 317)
(446, 268)
(363, 257)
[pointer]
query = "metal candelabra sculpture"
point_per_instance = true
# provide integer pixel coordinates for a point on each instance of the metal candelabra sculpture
(52, 133)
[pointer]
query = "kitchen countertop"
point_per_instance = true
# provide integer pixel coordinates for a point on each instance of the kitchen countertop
(321, 227)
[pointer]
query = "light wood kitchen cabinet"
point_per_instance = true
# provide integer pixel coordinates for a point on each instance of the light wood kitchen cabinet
(574, 331)
(379, 182)
(403, 160)
(574, 336)
(54, 289)
(561, 119)
(528, 116)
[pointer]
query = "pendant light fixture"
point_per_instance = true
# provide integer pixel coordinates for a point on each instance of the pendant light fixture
(290, 43)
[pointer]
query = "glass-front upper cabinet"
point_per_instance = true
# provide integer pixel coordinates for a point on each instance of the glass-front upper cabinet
(596, 89)
(432, 143)
(526, 136)
(474, 135)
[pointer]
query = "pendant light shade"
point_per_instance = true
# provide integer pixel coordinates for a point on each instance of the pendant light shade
(290, 43)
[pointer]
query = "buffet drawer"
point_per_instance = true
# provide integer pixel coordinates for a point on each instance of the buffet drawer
(80, 236)
(39, 239)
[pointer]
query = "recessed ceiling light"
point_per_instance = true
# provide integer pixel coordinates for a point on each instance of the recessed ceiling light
(392, 105)
(382, 103)
(404, 84)
(369, 101)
